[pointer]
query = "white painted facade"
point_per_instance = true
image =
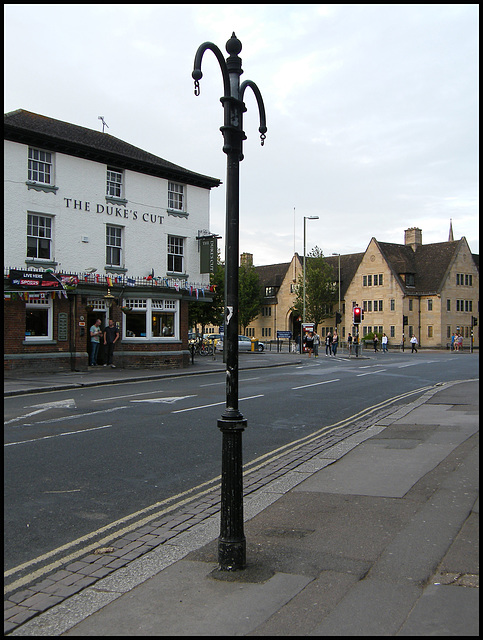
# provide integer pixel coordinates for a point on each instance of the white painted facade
(81, 212)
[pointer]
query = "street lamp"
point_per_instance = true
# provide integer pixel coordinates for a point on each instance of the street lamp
(231, 543)
(305, 233)
(338, 254)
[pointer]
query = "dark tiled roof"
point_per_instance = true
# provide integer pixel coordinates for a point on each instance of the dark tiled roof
(429, 264)
(272, 275)
(349, 264)
(31, 128)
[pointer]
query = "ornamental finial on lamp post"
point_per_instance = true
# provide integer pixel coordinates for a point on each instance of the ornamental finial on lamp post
(231, 543)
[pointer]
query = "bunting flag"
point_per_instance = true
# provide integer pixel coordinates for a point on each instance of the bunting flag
(131, 282)
(109, 281)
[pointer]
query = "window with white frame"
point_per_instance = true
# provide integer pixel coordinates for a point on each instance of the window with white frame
(38, 319)
(113, 245)
(40, 168)
(114, 183)
(175, 254)
(150, 319)
(175, 196)
(39, 236)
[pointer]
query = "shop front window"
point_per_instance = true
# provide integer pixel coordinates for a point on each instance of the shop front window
(151, 319)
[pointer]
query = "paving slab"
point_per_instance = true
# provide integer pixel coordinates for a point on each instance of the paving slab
(185, 600)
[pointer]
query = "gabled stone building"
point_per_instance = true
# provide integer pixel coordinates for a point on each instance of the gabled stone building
(429, 290)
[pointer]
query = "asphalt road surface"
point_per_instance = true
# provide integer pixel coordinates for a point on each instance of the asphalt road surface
(82, 462)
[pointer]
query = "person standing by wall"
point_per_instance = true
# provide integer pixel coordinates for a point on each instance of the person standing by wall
(111, 336)
(95, 333)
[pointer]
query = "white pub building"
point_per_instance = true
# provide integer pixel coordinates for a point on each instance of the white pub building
(96, 228)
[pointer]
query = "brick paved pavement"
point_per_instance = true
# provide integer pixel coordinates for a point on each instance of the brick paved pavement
(72, 578)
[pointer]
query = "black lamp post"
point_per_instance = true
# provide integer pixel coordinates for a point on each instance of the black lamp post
(231, 543)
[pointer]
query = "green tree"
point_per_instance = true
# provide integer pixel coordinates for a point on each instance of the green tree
(320, 288)
(249, 295)
(204, 313)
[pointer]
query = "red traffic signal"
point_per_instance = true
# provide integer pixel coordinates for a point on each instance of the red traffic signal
(357, 315)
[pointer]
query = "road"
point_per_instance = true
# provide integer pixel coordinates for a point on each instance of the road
(82, 462)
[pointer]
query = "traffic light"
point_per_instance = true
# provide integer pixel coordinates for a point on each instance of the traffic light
(474, 321)
(357, 315)
(338, 318)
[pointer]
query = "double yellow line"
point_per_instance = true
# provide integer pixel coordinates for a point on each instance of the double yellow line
(154, 511)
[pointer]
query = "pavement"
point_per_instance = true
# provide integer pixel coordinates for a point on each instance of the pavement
(367, 528)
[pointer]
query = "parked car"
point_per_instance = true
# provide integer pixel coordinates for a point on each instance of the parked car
(244, 344)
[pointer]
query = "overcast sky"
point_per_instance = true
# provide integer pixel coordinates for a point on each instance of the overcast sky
(371, 109)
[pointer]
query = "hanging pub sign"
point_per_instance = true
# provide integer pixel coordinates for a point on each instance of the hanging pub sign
(208, 251)
(41, 280)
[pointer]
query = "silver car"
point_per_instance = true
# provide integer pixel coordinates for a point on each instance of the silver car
(244, 344)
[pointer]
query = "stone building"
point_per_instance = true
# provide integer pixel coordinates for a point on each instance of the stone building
(430, 290)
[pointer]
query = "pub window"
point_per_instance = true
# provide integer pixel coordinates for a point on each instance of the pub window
(40, 167)
(392, 331)
(380, 279)
(114, 183)
(430, 331)
(364, 281)
(38, 319)
(175, 196)
(175, 254)
(448, 305)
(410, 305)
(393, 304)
(430, 305)
(39, 236)
(149, 319)
(113, 245)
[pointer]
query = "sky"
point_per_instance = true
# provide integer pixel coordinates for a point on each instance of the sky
(372, 110)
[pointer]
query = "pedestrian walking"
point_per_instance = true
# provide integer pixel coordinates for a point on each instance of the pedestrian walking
(375, 340)
(460, 342)
(309, 342)
(316, 344)
(111, 336)
(452, 341)
(95, 333)
(328, 344)
(414, 343)
(349, 343)
(335, 342)
(384, 343)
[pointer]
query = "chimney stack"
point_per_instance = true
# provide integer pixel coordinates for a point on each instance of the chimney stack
(413, 237)
(246, 259)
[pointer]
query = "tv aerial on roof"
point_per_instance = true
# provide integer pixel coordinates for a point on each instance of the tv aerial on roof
(104, 124)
